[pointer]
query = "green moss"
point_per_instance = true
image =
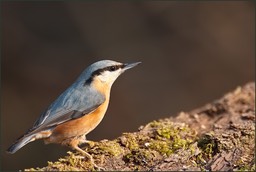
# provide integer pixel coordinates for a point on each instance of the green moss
(162, 137)
(109, 147)
(131, 141)
(171, 137)
(247, 167)
(71, 162)
(155, 124)
(208, 144)
(165, 132)
(163, 147)
(139, 157)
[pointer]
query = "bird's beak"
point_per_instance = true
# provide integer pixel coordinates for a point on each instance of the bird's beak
(130, 65)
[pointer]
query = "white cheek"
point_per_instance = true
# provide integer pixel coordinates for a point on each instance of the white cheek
(109, 77)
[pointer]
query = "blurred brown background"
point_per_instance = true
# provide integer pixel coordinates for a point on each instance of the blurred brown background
(192, 53)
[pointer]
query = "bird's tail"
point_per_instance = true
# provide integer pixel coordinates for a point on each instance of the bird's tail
(22, 141)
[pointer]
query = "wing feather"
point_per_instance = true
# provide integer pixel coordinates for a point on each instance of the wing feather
(70, 105)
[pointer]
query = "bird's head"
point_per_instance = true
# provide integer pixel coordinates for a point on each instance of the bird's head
(105, 71)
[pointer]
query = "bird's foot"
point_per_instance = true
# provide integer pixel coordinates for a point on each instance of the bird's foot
(95, 166)
(74, 155)
(90, 143)
(90, 159)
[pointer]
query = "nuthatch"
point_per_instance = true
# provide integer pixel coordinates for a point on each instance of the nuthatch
(78, 110)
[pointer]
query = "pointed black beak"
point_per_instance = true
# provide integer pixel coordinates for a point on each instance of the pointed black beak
(130, 65)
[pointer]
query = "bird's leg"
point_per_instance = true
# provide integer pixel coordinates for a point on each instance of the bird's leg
(74, 144)
(84, 141)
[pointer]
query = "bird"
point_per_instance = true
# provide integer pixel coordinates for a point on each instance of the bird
(78, 110)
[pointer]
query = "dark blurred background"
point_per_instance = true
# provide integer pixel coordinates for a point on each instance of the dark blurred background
(191, 52)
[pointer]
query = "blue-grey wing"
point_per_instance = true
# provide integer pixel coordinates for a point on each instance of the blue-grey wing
(72, 104)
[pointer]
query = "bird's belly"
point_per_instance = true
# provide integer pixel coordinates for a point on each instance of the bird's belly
(77, 127)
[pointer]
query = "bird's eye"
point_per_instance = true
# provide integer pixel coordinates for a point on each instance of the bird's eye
(113, 68)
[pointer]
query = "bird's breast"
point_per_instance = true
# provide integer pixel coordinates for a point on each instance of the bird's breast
(80, 126)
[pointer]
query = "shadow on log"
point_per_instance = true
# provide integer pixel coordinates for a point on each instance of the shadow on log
(219, 136)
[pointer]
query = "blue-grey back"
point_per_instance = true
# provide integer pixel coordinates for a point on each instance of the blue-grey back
(75, 98)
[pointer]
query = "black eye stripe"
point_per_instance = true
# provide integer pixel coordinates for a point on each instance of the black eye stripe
(114, 68)
(99, 71)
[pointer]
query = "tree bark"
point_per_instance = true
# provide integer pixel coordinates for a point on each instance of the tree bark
(219, 136)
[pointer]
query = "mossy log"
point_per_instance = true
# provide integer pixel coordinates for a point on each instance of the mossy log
(219, 136)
